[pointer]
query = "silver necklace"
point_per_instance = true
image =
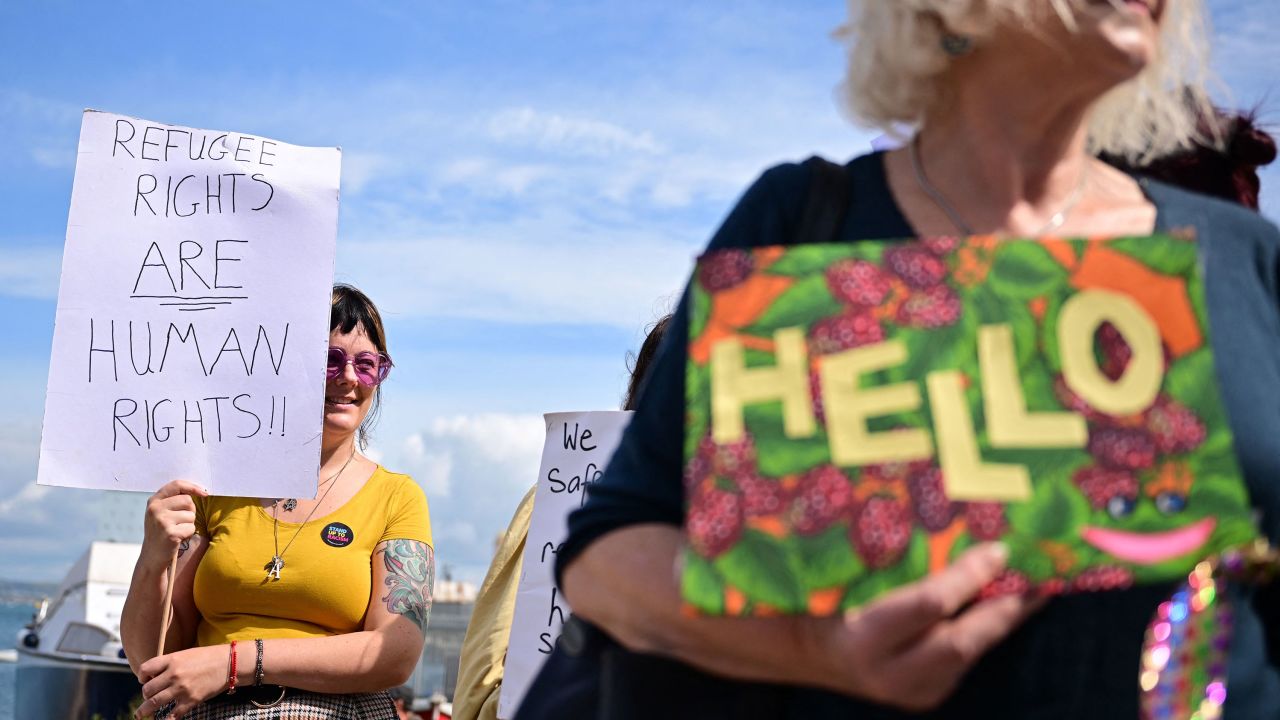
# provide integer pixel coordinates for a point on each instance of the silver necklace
(276, 563)
(1055, 221)
(291, 504)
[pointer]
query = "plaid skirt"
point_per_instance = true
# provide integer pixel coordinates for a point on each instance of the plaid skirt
(296, 705)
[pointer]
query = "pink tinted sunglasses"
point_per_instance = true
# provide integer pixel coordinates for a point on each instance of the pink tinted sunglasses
(371, 368)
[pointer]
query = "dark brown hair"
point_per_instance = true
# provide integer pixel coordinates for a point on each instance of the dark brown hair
(1228, 170)
(348, 309)
(641, 361)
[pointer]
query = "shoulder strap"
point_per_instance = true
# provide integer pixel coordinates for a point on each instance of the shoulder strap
(826, 204)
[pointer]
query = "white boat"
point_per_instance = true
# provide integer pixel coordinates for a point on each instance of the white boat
(70, 661)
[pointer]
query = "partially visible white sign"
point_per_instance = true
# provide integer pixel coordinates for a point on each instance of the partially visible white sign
(578, 447)
(193, 312)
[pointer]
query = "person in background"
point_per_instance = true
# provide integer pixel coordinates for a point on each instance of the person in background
(338, 612)
(484, 650)
(1222, 163)
(402, 696)
(1013, 99)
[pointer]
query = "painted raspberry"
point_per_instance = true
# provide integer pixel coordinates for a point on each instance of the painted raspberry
(880, 531)
(917, 267)
(986, 520)
(762, 496)
(697, 469)
(714, 522)
(934, 509)
(1175, 427)
(936, 307)
(729, 460)
(1122, 448)
(1106, 577)
(1051, 587)
(851, 329)
(1008, 582)
(815, 396)
(894, 472)
(1116, 352)
(822, 497)
(1075, 403)
(1102, 485)
(857, 282)
(941, 244)
(724, 269)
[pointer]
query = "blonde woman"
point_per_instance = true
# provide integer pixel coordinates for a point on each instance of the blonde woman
(291, 608)
(1012, 99)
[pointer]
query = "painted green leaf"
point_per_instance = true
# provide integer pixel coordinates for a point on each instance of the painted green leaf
(699, 309)
(1191, 380)
(828, 559)
(805, 301)
(703, 587)
(697, 406)
(810, 259)
(759, 567)
(1057, 510)
(912, 567)
(1027, 557)
(777, 454)
(1165, 255)
(1025, 270)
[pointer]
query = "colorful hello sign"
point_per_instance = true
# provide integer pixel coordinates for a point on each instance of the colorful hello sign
(859, 414)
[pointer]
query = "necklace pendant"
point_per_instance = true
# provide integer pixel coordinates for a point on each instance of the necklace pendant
(291, 504)
(274, 567)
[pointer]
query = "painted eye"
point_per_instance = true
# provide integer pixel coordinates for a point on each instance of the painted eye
(1170, 503)
(1120, 507)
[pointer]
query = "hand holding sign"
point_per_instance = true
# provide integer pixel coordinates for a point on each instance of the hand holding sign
(171, 515)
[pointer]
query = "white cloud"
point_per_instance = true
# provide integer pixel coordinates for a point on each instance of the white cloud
(526, 272)
(45, 528)
(30, 270)
(57, 158)
(24, 500)
(361, 168)
(474, 470)
(568, 135)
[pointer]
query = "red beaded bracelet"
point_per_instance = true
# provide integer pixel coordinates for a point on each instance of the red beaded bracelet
(231, 676)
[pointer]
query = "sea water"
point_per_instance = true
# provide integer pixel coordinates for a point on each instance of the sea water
(13, 615)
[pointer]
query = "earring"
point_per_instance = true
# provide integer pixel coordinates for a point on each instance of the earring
(956, 45)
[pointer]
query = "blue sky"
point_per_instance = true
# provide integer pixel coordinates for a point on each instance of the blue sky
(524, 187)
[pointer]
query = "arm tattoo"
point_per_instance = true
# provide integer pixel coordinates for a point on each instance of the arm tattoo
(411, 572)
(184, 547)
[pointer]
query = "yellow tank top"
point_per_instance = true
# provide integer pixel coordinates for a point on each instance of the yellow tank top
(327, 579)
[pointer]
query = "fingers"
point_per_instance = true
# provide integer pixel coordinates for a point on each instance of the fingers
(152, 705)
(150, 670)
(943, 655)
(180, 487)
(172, 514)
(904, 614)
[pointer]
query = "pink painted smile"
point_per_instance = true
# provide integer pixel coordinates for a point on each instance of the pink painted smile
(1150, 548)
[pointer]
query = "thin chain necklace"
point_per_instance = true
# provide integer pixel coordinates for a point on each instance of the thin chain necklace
(292, 503)
(1055, 221)
(276, 564)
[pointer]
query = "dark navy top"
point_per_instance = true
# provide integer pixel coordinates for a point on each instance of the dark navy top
(1078, 657)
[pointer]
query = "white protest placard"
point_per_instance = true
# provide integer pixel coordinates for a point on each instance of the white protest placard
(578, 446)
(193, 312)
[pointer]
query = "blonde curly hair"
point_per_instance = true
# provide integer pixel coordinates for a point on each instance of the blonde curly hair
(896, 65)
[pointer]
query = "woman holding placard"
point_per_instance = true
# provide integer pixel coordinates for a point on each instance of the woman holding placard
(297, 605)
(1012, 100)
